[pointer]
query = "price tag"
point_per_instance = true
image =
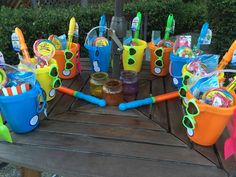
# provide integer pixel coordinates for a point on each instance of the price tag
(207, 39)
(135, 24)
(15, 42)
(173, 27)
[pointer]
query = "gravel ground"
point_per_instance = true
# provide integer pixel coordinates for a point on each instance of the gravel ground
(13, 171)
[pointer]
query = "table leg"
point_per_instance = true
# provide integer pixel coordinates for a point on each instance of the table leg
(26, 172)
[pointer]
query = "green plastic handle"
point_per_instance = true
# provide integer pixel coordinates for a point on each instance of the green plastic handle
(136, 34)
(168, 26)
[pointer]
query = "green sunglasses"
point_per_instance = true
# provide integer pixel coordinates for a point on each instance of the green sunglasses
(131, 60)
(159, 54)
(192, 108)
(182, 92)
(185, 78)
(68, 56)
(188, 122)
(54, 74)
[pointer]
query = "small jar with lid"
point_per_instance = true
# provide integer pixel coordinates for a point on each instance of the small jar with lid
(112, 92)
(97, 81)
(130, 84)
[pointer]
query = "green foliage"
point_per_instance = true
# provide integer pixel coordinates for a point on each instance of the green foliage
(41, 22)
(222, 18)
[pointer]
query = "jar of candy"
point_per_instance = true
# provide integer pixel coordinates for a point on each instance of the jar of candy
(130, 84)
(96, 83)
(112, 92)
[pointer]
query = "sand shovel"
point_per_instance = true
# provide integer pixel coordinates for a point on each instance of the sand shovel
(4, 132)
(230, 143)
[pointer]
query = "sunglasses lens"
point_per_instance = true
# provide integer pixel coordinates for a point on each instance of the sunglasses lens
(131, 61)
(185, 80)
(158, 63)
(69, 66)
(188, 123)
(192, 109)
(158, 52)
(182, 92)
(68, 55)
(132, 51)
(54, 72)
(57, 83)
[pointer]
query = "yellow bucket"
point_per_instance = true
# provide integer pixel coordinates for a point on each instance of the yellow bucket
(45, 80)
(137, 57)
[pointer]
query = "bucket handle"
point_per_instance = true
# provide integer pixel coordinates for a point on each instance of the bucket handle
(170, 71)
(42, 106)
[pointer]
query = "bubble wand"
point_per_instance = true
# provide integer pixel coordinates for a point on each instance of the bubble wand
(71, 32)
(150, 100)
(169, 26)
(23, 46)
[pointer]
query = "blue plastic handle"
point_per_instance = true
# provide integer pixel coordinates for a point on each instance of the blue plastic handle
(91, 99)
(135, 104)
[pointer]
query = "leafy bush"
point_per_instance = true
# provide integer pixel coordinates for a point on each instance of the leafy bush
(41, 22)
(222, 15)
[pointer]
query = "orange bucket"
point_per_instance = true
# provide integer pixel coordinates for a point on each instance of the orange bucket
(210, 122)
(60, 58)
(166, 60)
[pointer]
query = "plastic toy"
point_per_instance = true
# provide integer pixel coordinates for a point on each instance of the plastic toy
(89, 98)
(44, 50)
(4, 132)
(71, 32)
(227, 57)
(150, 100)
(136, 23)
(202, 35)
(230, 143)
(102, 23)
(23, 46)
(169, 26)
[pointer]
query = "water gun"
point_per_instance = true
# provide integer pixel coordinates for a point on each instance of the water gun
(169, 26)
(23, 46)
(80, 95)
(102, 24)
(150, 100)
(227, 57)
(71, 32)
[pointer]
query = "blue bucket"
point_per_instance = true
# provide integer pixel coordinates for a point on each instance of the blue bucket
(176, 65)
(99, 57)
(22, 111)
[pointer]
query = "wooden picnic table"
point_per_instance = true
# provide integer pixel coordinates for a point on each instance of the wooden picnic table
(79, 139)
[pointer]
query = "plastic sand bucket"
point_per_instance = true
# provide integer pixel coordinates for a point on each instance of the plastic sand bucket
(166, 60)
(61, 62)
(134, 61)
(176, 65)
(99, 57)
(45, 80)
(210, 122)
(21, 111)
